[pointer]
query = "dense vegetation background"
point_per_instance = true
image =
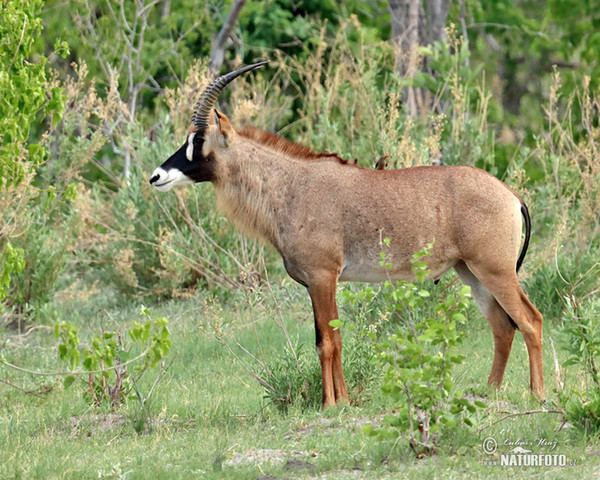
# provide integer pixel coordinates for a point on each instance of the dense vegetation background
(94, 94)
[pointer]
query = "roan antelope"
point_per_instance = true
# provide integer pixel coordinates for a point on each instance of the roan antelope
(317, 211)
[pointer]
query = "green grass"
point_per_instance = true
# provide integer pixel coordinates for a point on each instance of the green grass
(208, 418)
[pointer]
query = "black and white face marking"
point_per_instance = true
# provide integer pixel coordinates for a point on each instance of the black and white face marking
(186, 165)
(189, 152)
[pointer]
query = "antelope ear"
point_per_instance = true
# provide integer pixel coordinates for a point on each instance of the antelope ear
(223, 127)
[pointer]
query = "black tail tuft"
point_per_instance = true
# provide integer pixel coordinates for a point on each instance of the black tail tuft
(525, 213)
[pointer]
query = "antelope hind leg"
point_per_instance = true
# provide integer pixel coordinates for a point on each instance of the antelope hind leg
(504, 286)
(502, 329)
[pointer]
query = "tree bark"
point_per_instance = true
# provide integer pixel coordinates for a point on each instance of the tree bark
(437, 13)
(415, 23)
(406, 19)
(218, 48)
(427, 17)
(166, 9)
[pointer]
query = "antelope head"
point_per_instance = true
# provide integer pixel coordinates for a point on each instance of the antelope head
(194, 161)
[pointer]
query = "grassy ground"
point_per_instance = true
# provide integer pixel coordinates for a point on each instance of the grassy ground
(208, 419)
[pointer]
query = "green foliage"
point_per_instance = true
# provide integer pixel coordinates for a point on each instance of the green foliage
(154, 333)
(519, 43)
(294, 379)
(580, 339)
(418, 359)
(443, 58)
(107, 358)
(28, 251)
(580, 336)
(45, 243)
(556, 282)
(68, 349)
(23, 89)
(139, 43)
(12, 262)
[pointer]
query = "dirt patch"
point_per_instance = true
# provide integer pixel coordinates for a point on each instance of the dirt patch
(265, 456)
(330, 425)
(351, 475)
(98, 423)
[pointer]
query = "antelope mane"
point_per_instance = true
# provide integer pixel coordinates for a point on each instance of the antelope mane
(286, 147)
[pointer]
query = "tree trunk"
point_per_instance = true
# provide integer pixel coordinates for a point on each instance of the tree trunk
(437, 13)
(218, 48)
(166, 9)
(406, 19)
(415, 23)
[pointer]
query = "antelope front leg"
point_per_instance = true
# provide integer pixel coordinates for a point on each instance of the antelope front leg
(329, 341)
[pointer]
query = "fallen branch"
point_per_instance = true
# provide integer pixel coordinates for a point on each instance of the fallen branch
(6, 382)
(518, 414)
(61, 374)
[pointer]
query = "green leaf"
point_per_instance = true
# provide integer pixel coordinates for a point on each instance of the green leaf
(68, 381)
(124, 355)
(61, 48)
(336, 323)
(70, 193)
(465, 290)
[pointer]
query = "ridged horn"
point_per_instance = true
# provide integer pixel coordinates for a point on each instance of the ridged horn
(209, 95)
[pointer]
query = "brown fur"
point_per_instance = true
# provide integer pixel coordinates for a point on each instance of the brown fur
(191, 130)
(285, 147)
(320, 217)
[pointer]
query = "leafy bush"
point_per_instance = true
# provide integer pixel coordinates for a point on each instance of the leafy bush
(24, 91)
(46, 243)
(107, 359)
(28, 240)
(12, 262)
(418, 359)
(295, 379)
(580, 340)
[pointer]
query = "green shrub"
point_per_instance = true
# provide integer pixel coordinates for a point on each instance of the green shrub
(418, 358)
(46, 243)
(295, 378)
(579, 338)
(27, 96)
(12, 262)
(24, 91)
(107, 359)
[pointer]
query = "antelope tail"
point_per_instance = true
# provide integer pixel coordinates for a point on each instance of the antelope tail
(525, 213)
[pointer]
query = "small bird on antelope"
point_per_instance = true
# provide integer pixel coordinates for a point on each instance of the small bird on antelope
(382, 163)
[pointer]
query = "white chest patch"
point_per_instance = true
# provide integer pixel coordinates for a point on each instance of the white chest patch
(189, 151)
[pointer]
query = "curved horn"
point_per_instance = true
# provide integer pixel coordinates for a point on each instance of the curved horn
(209, 95)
